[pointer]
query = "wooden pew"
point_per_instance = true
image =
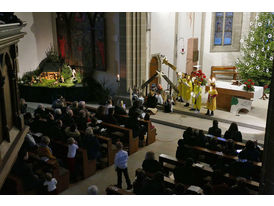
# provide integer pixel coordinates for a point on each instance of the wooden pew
(170, 163)
(106, 144)
(133, 143)
(13, 186)
(238, 145)
(219, 154)
(88, 166)
(151, 132)
(59, 173)
(222, 140)
(211, 156)
(112, 190)
(224, 70)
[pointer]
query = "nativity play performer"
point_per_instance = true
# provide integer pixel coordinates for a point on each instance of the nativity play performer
(197, 96)
(187, 89)
(211, 101)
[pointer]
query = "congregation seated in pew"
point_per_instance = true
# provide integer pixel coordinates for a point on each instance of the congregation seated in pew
(150, 179)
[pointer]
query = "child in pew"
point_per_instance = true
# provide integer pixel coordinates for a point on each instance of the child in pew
(44, 151)
(72, 149)
(51, 183)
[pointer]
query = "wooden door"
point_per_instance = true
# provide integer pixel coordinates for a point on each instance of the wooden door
(153, 67)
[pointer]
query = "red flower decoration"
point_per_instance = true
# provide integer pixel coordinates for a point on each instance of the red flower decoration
(204, 76)
(248, 86)
(202, 79)
(245, 83)
(252, 83)
(249, 80)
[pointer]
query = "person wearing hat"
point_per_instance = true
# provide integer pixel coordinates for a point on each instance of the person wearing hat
(179, 86)
(211, 101)
(197, 104)
(187, 90)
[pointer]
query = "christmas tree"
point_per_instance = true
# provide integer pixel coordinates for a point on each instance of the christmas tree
(256, 60)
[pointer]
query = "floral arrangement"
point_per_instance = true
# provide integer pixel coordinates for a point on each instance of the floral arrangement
(249, 85)
(201, 77)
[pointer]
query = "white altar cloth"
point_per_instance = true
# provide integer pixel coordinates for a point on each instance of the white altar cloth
(258, 91)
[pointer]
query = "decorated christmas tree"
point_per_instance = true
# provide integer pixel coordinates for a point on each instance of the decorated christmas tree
(257, 48)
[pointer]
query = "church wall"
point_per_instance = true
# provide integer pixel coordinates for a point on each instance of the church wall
(41, 35)
(220, 58)
(186, 22)
(163, 33)
(108, 77)
(162, 39)
(38, 39)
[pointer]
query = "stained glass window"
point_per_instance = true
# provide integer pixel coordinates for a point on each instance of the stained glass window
(218, 28)
(228, 28)
(223, 28)
(81, 42)
(99, 36)
(81, 39)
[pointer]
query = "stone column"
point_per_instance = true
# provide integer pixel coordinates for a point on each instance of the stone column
(136, 48)
(267, 181)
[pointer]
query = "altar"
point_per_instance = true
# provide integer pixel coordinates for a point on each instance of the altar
(226, 91)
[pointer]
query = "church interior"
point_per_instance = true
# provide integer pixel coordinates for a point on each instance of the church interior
(136, 103)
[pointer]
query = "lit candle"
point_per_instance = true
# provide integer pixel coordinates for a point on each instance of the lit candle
(118, 77)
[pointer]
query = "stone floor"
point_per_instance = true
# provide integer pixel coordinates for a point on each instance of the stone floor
(256, 117)
(181, 121)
